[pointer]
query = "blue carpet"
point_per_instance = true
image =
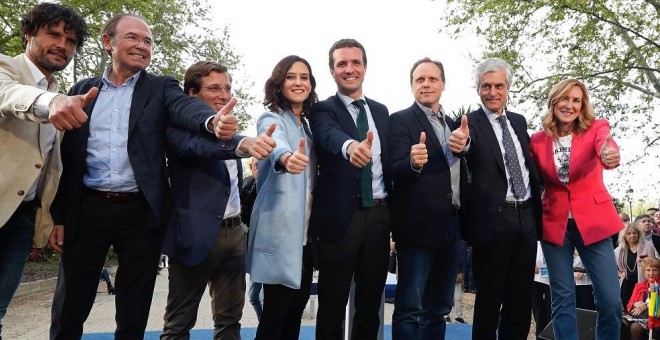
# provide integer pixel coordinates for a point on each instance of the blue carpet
(454, 332)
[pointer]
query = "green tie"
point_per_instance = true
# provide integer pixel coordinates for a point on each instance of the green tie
(365, 180)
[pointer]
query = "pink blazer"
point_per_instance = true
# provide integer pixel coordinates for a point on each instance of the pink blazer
(585, 195)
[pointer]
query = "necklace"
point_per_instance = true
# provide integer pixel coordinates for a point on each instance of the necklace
(634, 268)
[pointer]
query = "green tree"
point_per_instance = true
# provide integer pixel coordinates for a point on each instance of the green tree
(183, 33)
(613, 45)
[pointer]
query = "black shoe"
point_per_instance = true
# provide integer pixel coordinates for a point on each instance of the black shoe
(111, 291)
(461, 320)
(447, 319)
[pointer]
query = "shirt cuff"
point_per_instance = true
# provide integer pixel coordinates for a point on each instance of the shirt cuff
(419, 171)
(344, 148)
(238, 149)
(42, 104)
(206, 125)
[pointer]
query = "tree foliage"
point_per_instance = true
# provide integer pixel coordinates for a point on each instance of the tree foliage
(183, 33)
(613, 45)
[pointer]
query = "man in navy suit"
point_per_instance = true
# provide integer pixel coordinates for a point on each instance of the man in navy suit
(425, 203)
(350, 220)
(503, 208)
(114, 190)
(205, 238)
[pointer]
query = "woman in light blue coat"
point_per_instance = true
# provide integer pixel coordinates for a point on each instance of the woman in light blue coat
(279, 254)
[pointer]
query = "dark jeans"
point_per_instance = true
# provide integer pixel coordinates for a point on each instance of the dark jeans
(255, 297)
(284, 306)
(224, 272)
(15, 241)
(425, 288)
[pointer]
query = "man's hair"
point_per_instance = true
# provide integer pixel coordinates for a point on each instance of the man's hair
(493, 65)
(274, 100)
(48, 14)
(110, 26)
(194, 74)
(428, 60)
(584, 119)
(344, 43)
(655, 209)
(639, 218)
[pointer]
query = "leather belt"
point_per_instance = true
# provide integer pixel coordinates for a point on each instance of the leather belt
(517, 205)
(115, 197)
(230, 222)
(377, 202)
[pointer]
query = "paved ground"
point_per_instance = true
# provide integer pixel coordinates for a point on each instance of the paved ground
(28, 317)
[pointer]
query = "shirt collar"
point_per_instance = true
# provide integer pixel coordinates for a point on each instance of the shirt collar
(39, 77)
(429, 112)
(130, 82)
(348, 100)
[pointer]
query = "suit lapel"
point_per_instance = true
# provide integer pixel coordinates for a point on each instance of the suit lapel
(140, 95)
(483, 124)
(344, 118)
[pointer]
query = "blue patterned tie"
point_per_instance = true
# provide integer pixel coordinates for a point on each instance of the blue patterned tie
(511, 158)
(365, 179)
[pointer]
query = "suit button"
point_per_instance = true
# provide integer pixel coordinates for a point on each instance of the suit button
(227, 193)
(499, 209)
(21, 193)
(220, 217)
(38, 165)
(448, 196)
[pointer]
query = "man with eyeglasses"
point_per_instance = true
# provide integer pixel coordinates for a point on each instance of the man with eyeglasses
(205, 238)
(114, 189)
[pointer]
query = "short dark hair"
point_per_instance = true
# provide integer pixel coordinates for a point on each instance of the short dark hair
(639, 218)
(428, 60)
(273, 97)
(343, 43)
(48, 14)
(194, 74)
(110, 26)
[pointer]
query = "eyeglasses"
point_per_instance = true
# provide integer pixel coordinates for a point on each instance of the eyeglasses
(217, 89)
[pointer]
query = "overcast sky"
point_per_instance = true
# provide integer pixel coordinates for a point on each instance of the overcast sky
(395, 34)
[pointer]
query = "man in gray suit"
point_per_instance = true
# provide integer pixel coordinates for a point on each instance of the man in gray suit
(31, 164)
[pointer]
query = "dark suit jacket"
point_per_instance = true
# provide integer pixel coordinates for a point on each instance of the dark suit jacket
(421, 202)
(489, 186)
(201, 188)
(156, 101)
(338, 183)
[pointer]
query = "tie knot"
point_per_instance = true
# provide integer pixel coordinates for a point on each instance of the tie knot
(359, 103)
(502, 120)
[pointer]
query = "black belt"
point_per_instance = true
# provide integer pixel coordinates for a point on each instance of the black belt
(111, 196)
(517, 205)
(376, 202)
(230, 222)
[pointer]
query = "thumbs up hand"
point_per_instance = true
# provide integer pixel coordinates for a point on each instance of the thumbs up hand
(459, 137)
(259, 147)
(418, 153)
(296, 162)
(225, 124)
(360, 153)
(66, 112)
(609, 154)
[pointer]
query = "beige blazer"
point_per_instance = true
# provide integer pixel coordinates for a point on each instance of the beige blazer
(22, 140)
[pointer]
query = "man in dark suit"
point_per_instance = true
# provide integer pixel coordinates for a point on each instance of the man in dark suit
(425, 203)
(503, 210)
(645, 225)
(113, 190)
(205, 237)
(350, 219)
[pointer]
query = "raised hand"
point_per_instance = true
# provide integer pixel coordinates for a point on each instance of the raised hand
(360, 153)
(261, 146)
(297, 162)
(459, 137)
(418, 152)
(225, 124)
(66, 112)
(609, 155)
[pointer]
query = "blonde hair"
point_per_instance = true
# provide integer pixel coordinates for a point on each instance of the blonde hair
(560, 91)
(650, 262)
(622, 236)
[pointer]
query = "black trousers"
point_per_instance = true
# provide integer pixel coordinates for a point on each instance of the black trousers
(284, 306)
(504, 273)
(102, 224)
(361, 255)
